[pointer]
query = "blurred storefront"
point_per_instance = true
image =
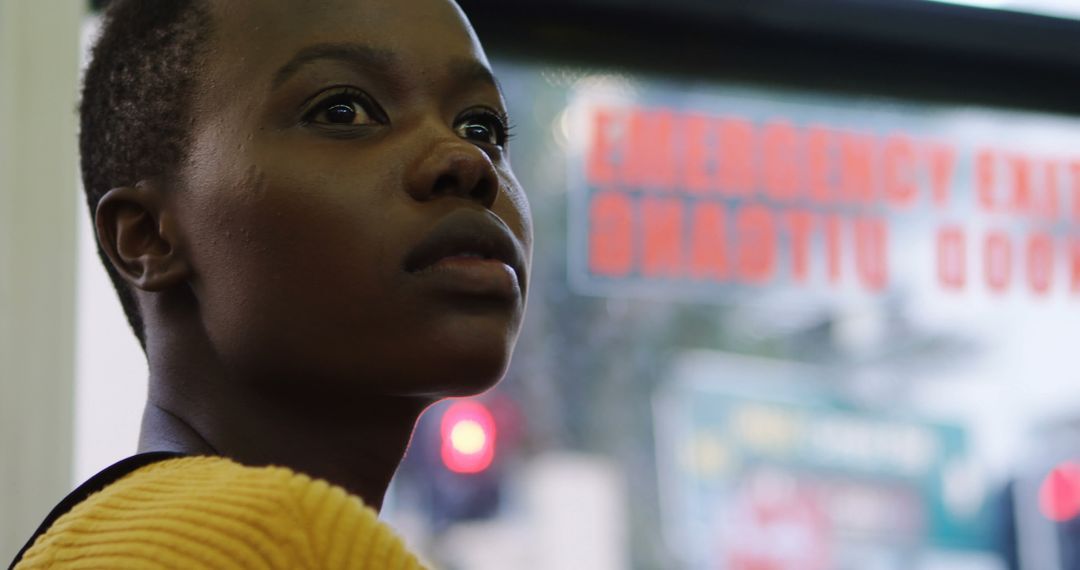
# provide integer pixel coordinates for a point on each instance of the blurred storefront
(804, 297)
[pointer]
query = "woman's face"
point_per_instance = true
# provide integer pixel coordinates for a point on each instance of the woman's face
(348, 208)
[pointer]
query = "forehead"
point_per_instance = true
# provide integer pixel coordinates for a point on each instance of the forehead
(255, 36)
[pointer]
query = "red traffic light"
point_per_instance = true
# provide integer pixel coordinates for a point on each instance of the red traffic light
(1059, 494)
(468, 437)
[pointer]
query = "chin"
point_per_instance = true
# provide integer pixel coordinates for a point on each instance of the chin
(466, 373)
(463, 357)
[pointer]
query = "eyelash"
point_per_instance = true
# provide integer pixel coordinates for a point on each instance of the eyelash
(505, 131)
(344, 95)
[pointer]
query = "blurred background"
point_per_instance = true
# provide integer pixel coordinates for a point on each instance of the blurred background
(806, 292)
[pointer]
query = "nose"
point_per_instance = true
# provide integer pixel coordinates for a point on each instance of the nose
(455, 167)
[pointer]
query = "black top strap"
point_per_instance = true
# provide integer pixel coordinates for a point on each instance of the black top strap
(103, 479)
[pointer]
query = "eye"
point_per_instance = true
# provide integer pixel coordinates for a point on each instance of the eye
(344, 114)
(345, 107)
(484, 126)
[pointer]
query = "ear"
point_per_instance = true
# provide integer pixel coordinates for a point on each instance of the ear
(141, 238)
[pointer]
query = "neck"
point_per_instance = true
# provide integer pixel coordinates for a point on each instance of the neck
(196, 408)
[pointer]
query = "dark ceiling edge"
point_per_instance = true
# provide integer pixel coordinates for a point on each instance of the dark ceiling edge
(934, 53)
(942, 27)
(905, 24)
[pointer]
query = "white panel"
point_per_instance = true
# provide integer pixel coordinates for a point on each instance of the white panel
(577, 511)
(38, 72)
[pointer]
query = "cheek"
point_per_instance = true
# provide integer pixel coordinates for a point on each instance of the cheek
(514, 209)
(286, 258)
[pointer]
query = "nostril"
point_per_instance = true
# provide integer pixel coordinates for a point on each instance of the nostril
(483, 191)
(445, 184)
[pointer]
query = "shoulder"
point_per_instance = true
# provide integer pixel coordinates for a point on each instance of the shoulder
(209, 512)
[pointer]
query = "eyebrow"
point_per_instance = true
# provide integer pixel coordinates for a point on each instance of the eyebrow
(358, 55)
(367, 58)
(471, 71)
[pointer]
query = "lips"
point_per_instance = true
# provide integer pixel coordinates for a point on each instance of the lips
(468, 233)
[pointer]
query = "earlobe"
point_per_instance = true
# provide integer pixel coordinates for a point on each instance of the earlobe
(135, 233)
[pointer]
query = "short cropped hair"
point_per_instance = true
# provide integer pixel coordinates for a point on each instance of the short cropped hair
(136, 111)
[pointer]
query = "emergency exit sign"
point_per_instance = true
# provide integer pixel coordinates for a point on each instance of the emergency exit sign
(714, 192)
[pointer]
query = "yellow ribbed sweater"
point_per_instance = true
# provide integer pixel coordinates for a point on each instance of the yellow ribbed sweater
(208, 512)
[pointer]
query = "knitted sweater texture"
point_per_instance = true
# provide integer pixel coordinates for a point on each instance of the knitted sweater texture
(211, 513)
